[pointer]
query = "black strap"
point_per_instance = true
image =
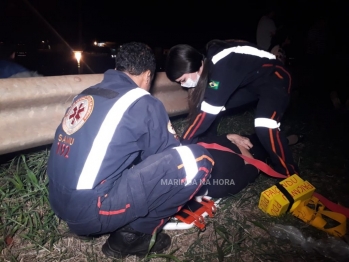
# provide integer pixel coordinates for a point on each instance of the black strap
(286, 194)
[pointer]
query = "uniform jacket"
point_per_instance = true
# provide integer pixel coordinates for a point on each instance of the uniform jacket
(240, 65)
(107, 128)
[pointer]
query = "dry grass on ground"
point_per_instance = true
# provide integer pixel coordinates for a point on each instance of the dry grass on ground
(238, 232)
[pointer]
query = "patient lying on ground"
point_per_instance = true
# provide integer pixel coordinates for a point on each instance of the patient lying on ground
(231, 173)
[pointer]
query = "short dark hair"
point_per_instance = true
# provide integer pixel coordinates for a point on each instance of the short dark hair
(182, 59)
(135, 58)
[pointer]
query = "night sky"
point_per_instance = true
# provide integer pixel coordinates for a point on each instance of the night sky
(158, 23)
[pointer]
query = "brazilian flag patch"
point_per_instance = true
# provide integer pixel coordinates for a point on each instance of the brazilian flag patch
(214, 85)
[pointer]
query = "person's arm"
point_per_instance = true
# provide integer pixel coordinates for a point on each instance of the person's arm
(224, 79)
(240, 141)
(153, 131)
(243, 143)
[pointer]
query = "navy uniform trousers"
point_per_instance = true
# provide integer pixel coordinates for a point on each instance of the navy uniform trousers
(148, 194)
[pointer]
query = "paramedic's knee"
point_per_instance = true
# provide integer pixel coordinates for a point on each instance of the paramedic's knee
(196, 159)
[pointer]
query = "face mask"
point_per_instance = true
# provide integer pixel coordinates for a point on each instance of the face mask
(189, 83)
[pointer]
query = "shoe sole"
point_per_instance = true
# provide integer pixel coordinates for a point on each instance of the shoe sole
(107, 251)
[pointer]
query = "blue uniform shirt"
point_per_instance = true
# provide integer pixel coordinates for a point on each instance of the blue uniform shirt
(106, 129)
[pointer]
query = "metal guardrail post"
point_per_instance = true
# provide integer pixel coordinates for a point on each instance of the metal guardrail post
(31, 108)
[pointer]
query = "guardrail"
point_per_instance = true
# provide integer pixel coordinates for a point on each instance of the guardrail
(32, 108)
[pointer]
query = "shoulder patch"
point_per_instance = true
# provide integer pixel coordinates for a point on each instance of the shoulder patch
(78, 114)
(213, 84)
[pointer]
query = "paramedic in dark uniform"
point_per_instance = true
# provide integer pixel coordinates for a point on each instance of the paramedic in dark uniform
(116, 165)
(235, 73)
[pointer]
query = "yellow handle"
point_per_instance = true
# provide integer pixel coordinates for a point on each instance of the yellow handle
(312, 212)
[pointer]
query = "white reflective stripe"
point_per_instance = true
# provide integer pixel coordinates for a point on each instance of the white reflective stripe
(106, 131)
(266, 122)
(247, 50)
(189, 162)
(214, 110)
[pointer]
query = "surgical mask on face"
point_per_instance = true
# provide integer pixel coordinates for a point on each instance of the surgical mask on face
(189, 83)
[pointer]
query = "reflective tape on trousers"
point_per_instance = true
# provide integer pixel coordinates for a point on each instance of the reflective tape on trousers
(266, 122)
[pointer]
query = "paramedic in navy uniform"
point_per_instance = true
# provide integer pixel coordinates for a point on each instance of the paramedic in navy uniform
(234, 73)
(114, 155)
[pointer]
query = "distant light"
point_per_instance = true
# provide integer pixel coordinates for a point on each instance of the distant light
(95, 42)
(78, 55)
(43, 42)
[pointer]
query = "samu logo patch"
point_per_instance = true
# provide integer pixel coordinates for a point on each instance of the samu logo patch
(214, 85)
(77, 114)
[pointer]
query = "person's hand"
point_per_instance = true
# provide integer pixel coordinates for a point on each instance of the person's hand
(240, 140)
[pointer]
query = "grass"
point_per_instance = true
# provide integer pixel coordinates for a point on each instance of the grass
(24, 203)
(240, 231)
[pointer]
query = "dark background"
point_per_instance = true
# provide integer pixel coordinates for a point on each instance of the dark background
(157, 22)
(76, 24)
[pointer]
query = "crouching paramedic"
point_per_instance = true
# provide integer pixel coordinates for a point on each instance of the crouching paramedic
(116, 165)
(234, 74)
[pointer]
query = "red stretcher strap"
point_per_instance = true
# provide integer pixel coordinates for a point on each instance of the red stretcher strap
(197, 217)
(332, 206)
(210, 206)
(257, 163)
(271, 172)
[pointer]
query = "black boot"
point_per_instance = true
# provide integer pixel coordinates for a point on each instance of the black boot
(126, 241)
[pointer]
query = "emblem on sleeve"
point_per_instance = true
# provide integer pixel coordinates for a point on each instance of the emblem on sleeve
(78, 114)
